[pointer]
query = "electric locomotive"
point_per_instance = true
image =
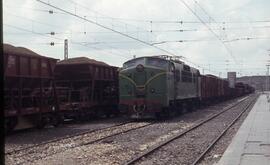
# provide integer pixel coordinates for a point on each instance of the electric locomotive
(155, 86)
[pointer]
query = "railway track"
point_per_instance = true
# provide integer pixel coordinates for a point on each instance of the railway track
(199, 158)
(65, 137)
(181, 134)
(30, 154)
(43, 150)
(19, 149)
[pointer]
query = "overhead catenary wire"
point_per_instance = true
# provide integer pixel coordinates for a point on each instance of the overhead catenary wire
(209, 29)
(36, 9)
(54, 33)
(104, 16)
(80, 43)
(210, 18)
(180, 21)
(57, 38)
(31, 31)
(104, 32)
(248, 38)
(123, 34)
(105, 27)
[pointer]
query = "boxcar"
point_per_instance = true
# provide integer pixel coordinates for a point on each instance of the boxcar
(211, 88)
(86, 87)
(226, 89)
(239, 89)
(29, 93)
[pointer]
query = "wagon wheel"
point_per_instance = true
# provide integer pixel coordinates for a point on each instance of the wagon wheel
(41, 123)
(158, 115)
(56, 121)
(10, 124)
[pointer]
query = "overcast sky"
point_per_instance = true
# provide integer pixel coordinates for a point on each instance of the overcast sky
(220, 35)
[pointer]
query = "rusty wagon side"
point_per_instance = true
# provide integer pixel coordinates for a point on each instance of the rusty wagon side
(86, 87)
(29, 93)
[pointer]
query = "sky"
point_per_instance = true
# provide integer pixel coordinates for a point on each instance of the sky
(215, 36)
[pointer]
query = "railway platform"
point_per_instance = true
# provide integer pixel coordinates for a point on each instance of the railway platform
(251, 144)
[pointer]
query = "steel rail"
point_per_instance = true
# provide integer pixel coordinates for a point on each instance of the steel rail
(65, 137)
(154, 148)
(92, 141)
(223, 132)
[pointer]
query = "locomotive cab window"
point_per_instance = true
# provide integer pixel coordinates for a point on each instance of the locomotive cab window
(157, 62)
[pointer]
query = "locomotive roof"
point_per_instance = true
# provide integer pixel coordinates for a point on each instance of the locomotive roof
(10, 49)
(210, 75)
(167, 58)
(163, 57)
(81, 60)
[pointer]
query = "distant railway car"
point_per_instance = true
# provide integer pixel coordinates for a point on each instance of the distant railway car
(86, 87)
(239, 89)
(248, 89)
(226, 89)
(210, 88)
(156, 86)
(29, 93)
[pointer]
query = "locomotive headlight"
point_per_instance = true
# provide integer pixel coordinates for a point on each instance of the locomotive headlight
(152, 90)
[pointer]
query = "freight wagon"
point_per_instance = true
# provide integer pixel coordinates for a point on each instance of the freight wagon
(86, 88)
(29, 90)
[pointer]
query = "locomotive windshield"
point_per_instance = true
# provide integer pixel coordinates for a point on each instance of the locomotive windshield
(134, 62)
(157, 62)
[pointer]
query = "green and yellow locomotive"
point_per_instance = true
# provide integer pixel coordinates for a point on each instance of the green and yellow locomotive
(156, 86)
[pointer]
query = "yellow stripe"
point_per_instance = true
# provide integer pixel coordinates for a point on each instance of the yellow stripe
(147, 82)
(152, 78)
(121, 75)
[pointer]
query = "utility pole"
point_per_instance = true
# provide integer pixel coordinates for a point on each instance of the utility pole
(66, 49)
(227, 65)
(267, 78)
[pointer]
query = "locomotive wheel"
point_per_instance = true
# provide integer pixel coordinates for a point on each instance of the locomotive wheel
(190, 107)
(41, 125)
(158, 116)
(167, 112)
(108, 115)
(184, 108)
(172, 111)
